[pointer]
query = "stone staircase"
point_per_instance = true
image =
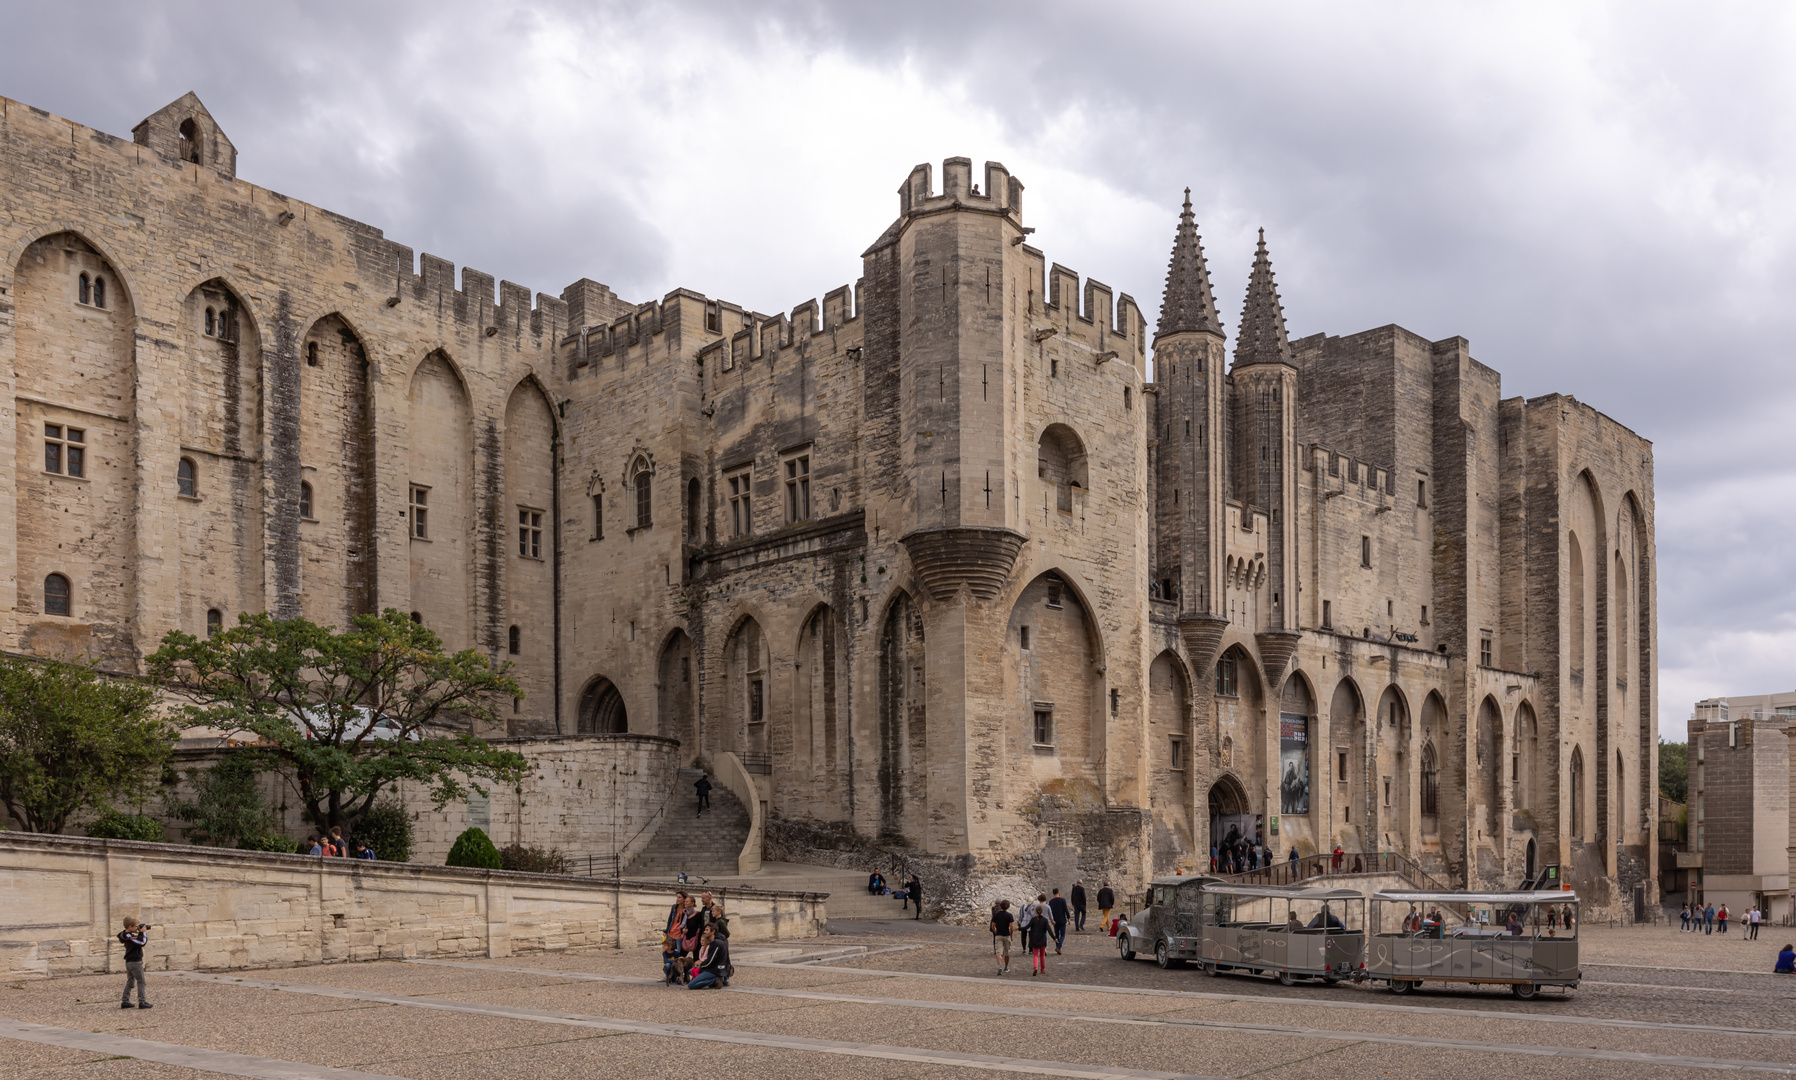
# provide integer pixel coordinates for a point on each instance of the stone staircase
(707, 844)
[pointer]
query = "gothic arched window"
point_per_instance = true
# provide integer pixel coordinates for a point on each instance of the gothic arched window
(56, 595)
(642, 482)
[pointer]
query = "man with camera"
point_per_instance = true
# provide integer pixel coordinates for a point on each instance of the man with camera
(134, 937)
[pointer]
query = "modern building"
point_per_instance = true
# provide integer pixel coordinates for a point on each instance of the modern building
(1742, 821)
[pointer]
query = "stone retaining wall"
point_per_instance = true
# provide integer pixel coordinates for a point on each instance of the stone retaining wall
(63, 900)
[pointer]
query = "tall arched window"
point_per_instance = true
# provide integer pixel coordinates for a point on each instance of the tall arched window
(1431, 782)
(56, 595)
(515, 641)
(1577, 794)
(644, 504)
(305, 501)
(190, 141)
(187, 480)
(99, 291)
(81, 290)
(211, 323)
(214, 621)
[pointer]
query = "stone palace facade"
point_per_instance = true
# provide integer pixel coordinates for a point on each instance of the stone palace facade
(935, 559)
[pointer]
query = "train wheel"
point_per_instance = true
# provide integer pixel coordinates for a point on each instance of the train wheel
(1122, 946)
(1401, 986)
(1525, 991)
(1284, 978)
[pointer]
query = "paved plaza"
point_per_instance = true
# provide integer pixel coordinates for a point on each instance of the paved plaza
(892, 999)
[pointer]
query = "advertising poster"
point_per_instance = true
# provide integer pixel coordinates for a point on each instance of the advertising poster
(1294, 764)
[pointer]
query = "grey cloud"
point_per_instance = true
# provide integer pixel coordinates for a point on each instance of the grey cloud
(1599, 203)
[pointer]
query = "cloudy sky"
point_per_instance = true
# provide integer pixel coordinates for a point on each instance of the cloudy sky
(1597, 196)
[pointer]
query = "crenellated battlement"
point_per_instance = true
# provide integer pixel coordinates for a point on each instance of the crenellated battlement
(474, 305)
(1094, 316)
(1002, 192)
(1356, 475)
(730, 335)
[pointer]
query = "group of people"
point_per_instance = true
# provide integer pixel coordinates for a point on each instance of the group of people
(1236, 855)
(695, 947)
(333, 844)
(910, 894)
(1706, 918)
(1043, 922)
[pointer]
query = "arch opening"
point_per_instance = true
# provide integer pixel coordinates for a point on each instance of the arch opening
(602, 709)
(1060, 464)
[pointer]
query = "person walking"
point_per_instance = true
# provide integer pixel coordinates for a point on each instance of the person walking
(1002, 921)
(1058, 912)
(1684, 920)
(703, 786)
(1078, 899)
(1106, 901)
(1335, 864)
(913, 894)
(338, 842)
(1721, 917)
(1752, 923)
(1708, 918)
(134, 937)
(1039, 930)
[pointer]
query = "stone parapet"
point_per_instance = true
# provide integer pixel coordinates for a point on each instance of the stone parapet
(210, 909)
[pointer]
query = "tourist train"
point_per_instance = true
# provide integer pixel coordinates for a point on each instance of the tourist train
(1402, 938)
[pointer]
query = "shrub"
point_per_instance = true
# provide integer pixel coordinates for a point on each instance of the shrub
(473, 848)
(388, 830)
(532, 860)
(227, 808)
(269, 842)
(113, 825)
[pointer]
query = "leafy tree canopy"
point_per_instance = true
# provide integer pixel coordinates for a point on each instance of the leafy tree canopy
(1674, 771)
(72, 739)
(347, 714)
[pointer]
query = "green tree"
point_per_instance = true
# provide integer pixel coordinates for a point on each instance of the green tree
(72, 739)
(1674, 771)
(474, 848)
(346, 714)
(113, 825)
(227, 808)
(388, 830)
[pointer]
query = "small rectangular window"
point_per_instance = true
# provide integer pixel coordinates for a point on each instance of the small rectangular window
(1365, 551)
(1422, 493)
(1023, 637)
(1387, 791)
(1424, 614)
(755, 702)
(1177, 753)
(1328, 621)
(798, 488)
(421, 513)
(1484, 650)
(63, 450)
(530, 533)
(1225, 676)
(1054, 594)
(1044, 727)
(1341, 766)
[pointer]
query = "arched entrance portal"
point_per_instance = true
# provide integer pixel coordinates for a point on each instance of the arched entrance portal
(1232, 827)
(602, 709)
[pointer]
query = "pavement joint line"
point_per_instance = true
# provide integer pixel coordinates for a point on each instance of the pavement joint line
(1683, 970)
(177, 1054)
(1328, 1034)
(716, 1035)
(1255, 999)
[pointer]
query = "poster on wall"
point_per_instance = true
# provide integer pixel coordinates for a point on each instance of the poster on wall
(1294, 764)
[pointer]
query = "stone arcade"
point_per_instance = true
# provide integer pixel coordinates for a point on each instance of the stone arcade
(934, 561)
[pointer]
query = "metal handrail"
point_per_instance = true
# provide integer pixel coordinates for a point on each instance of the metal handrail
(1311, 866)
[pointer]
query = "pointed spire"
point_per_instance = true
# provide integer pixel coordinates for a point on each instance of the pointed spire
(1188, 304)
(1262, 337)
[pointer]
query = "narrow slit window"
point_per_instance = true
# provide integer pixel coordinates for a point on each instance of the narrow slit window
(421, 513)
(644, 503)
(187, 480)
(305, 501)
(99, 291)
(81, 290)
(514, 641)
(598, 517)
